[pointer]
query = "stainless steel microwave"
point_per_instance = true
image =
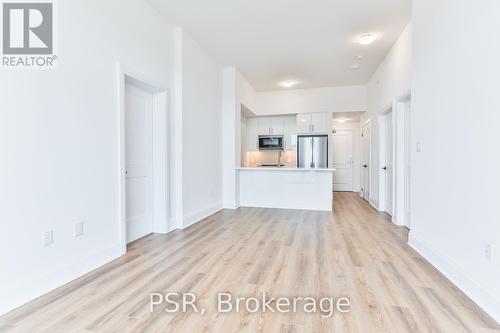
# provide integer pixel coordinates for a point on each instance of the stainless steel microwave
(271, 142)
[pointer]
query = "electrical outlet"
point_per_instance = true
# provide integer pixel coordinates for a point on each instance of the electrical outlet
(79, 229)
(487, 252)
(48, 238)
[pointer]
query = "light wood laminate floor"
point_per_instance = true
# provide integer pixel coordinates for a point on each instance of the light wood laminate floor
(354, 252)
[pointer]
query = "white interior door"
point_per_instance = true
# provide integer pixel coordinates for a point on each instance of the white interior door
(365, 163)
(388, 167)
(342, 160)
(138, 159)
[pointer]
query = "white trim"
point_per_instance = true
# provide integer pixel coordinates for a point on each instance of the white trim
(374, 204)
(176, 174)
(402, 162)
(451, 270)
(196, 217)
(33, 289)
(367, 124)
(160, 166)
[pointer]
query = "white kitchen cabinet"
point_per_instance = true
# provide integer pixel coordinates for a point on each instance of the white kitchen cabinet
(265, 125)
(304, 123)
(277, 125)
(290, 132)
(252, 134)
(321, 122)
(314, 123)
(270, 125)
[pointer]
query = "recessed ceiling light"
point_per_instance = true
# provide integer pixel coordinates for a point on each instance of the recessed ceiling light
(354, 67)
(288, 83)
(367, 39)
(358, 57)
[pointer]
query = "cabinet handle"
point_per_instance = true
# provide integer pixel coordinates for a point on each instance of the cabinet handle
(312, 128)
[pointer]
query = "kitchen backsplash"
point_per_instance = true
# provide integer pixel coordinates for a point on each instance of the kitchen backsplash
(257, 158)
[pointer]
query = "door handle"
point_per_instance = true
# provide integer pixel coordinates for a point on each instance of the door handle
(384, 168)
(365, 166)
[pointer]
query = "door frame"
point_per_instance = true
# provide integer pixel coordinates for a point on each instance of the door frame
(160, 195)
(382, 158)
(402, 164)
(366, 124)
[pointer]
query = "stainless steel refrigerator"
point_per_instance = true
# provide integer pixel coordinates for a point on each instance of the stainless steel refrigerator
(312, 151)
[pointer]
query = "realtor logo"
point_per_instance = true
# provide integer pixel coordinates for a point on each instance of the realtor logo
(28, 34)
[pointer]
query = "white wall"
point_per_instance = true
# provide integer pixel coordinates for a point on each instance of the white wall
(59, 144)
(235, 92)
(201, 131)
(331, 99)
(391, 80)
(355, 127)
(455, 116)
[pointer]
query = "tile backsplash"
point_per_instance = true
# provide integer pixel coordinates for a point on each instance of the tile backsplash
(257, 158)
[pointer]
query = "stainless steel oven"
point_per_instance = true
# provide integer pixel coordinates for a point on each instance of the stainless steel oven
(271, 142)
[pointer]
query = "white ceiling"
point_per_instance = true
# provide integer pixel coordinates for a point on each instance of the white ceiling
(312, 41)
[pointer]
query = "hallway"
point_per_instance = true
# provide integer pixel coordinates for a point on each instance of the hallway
(355, 253)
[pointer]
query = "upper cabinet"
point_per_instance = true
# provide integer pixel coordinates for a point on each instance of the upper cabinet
(275, 125)
(314, 123)
(290, 132)
(270, 125)
(304, 123)
(288, 126)
(252, 134)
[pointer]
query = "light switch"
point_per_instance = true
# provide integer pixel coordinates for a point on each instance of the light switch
(79, 229)
(420, 147)
(48, 238)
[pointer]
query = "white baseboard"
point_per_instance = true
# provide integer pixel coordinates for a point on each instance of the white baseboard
(489, 303)
(39, 287)
(374, 204)
(195, 217)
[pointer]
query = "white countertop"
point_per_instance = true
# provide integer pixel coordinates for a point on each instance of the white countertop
(284, 169)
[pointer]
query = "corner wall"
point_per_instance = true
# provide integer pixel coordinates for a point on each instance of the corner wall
(455, 192)
(59, 135)
(201, 132)
(236, 91)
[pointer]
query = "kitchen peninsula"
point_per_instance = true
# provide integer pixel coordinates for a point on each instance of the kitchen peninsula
(287, 188)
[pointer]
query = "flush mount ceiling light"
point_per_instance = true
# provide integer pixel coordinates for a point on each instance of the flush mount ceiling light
(358, 57)
(288, 83)
(341, 120)
(353, 67)
(367, 39)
